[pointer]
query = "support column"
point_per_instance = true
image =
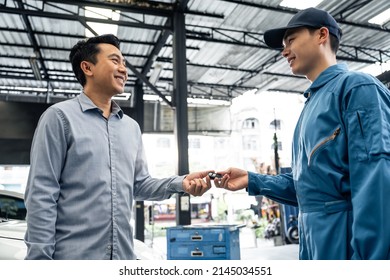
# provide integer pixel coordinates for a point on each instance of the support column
(139, 117)
(179, 98)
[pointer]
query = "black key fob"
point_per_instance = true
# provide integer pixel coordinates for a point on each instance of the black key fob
(213, 175)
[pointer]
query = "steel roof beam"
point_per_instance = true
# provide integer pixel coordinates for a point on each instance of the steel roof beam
(33, 40)
(353, 57)
(146, 81)
(191, 36)
(209, 37)
(209, 86)
(161, 41)
(81, 18)
(155, 8)
(338, 17)
(82, 37)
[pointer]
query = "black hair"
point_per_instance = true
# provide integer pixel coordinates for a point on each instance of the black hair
(334, 43)
(86, 50)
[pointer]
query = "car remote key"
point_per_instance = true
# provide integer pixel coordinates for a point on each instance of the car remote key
(213, 175)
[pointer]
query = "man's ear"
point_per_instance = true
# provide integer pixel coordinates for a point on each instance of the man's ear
(323, 34)
(86, 67)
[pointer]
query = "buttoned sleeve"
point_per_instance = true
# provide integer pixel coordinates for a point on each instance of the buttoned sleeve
(148, 188)
(42, 190)
(367, 123)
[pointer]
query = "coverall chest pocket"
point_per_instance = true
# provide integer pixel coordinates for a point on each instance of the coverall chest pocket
(322, 145)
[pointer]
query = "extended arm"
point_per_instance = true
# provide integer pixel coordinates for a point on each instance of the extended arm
(279, 188)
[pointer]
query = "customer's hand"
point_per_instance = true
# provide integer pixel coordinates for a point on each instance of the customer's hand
(233, 179)
(197, 183)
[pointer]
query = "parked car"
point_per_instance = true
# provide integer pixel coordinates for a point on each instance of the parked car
(12, 246)
(13, 226)
(12, 205)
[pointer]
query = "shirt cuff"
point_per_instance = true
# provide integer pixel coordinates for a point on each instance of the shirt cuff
(177, 184)
(253, 188)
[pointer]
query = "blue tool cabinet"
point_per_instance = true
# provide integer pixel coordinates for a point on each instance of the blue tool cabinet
(217, 242)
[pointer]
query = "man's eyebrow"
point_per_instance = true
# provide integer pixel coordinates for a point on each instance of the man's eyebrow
(117, 56)
(288, 33)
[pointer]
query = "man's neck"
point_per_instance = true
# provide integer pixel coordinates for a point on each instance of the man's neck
(100, 100)
(322, 66)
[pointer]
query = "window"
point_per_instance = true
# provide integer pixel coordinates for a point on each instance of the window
(250, 123)
(249, 143)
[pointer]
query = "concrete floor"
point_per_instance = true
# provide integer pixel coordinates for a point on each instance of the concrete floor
(266, 250)
(262, 249)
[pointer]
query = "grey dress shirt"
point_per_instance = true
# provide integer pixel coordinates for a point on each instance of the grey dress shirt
(85, 173)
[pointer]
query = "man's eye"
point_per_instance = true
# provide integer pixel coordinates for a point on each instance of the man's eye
(116, 61)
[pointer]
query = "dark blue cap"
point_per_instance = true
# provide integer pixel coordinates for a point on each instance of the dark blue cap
(310, 17)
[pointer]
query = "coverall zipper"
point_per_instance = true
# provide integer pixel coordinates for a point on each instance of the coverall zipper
(323, 142)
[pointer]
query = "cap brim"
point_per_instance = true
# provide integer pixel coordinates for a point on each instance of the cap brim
(274, 37)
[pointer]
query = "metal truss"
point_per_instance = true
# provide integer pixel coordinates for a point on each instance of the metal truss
(226, 36)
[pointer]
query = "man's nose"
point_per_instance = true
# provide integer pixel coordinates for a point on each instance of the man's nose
(285, 52)
(123, 69)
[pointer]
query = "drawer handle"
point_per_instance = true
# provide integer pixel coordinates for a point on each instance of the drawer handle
(197, 238)
(196, 253)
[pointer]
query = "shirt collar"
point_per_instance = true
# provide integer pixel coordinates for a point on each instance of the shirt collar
(87, 104)
(116, 109)
(327, 75)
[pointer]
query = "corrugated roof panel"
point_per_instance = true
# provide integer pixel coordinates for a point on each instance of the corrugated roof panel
(57, 41)
(63, 26)
(60, 66)
(11, 21)
(55, 54)
(135, 61)
(11, 37)
(14, 62)
(227, 36)
(20, 51)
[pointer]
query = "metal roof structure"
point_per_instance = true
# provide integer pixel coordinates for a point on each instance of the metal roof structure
(225, 52)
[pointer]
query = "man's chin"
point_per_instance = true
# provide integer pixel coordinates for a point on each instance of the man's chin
(119, 91)
(295, 71)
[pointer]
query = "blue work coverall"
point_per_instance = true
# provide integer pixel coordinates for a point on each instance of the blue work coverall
(340, 176)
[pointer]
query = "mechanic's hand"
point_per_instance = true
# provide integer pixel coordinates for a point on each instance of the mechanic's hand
(233, 179)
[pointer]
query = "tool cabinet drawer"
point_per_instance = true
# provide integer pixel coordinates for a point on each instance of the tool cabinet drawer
(203, 242)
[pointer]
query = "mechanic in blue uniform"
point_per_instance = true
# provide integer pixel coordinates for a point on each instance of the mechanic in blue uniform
(340, 176)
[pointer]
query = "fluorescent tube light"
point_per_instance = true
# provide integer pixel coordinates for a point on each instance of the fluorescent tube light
(35, 68)
(101, 28)
(376, 69)
(300, 4)
(155, 76)
(381, 18)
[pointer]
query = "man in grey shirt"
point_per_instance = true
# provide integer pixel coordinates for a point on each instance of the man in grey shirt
(88, 166)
